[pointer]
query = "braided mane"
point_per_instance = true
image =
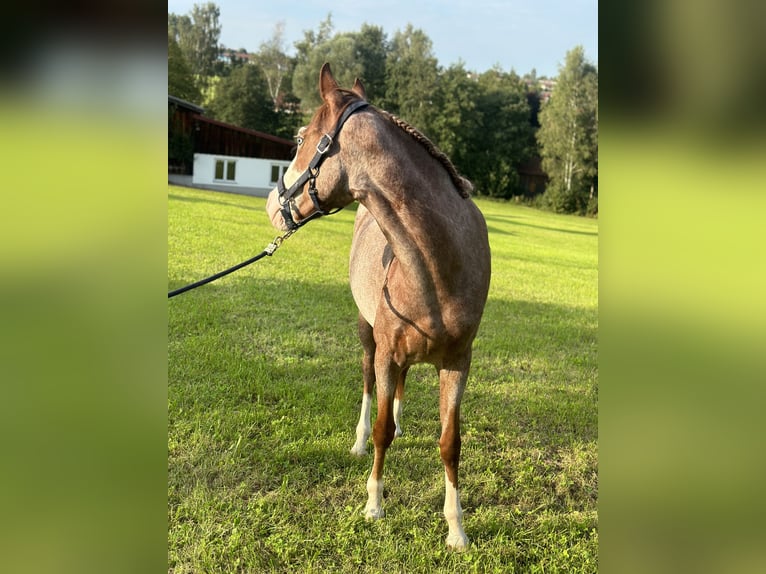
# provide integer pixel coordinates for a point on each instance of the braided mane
(463, 186)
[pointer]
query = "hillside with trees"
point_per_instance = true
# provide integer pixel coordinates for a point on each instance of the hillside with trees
(490, 123)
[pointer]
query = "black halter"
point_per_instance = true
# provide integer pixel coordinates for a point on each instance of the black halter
(311, 173)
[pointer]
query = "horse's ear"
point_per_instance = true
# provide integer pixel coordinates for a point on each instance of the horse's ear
(327, 83)
(358, 89)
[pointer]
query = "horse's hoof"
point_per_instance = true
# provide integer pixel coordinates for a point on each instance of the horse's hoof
(374, 513)
(399, 432)
(457, 542)
(359, 450)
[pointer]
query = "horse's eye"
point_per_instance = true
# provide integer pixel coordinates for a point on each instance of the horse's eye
(298, 140)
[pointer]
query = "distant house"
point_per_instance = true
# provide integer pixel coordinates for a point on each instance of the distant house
(546, 89)
(222, 156)
(532, 177)
(228, 56)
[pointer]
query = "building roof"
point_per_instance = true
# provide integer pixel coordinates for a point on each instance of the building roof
(199, 115)
(256, 133)
(185, 104)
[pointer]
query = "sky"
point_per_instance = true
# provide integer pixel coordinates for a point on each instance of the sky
(515, 34)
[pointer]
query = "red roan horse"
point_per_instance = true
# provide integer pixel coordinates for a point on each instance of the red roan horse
(419, 267)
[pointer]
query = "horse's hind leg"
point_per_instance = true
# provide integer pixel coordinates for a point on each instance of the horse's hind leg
(451, 387)
(368, 375)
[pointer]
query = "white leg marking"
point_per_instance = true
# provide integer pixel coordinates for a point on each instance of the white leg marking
(397, 417)
(373, 510)
(363, 427)
(454, 514)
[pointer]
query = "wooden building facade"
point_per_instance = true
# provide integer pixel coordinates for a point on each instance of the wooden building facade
(190, 132)
(532, 178)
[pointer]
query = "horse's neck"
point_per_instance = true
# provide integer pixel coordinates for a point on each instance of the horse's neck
(415, 204)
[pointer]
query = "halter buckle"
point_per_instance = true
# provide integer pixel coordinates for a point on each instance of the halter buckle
(327, 140)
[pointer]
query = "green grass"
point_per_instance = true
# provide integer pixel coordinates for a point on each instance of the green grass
(264, 389)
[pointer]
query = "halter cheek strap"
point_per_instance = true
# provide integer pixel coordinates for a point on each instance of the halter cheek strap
(286, 195)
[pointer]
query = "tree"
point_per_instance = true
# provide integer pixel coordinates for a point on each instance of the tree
(180, 79)
(352, 55)
(275, 63)
(534, 98)
(340, 51)
(179, 27)
(412, 76)
(505, 136)
(456, 128)
(277, 68)
(180, 30)
(197, 36)
(180, 84)
(242, 99)
(304, 85)
(371, 49)
(315, 50)
(568, 135)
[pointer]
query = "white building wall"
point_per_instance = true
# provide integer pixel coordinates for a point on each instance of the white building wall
(249, 173)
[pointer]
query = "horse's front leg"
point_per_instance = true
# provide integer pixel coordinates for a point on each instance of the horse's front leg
(368, 375)
(387, 374)
(451, 386)
(398, 402)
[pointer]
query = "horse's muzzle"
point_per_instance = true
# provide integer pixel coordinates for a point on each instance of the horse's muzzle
(274, 210)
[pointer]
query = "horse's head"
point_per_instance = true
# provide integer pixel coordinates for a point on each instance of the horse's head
(315, 182)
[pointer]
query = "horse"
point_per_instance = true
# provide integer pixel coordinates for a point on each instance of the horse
(419, 266)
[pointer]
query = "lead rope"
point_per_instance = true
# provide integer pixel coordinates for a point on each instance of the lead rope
(269, 250)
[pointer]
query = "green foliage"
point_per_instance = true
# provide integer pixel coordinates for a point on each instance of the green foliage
(592, 207)
(180, 79)
(288, 120)
(458, 124)
(242, 99)
(197, 36)
(568, 135)
(506, 134)
(488, 123)
(180, 150)
(412, 79)
(205, 34)
(371, 45)
(179, 28)
(483, 125)
(352, 55)
(275, 64)
(264, 387)
(341, 51)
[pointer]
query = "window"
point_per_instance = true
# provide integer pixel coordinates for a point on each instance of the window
(227, 166)
(276, 171)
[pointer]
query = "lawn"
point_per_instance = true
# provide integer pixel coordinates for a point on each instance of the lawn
(264, 390)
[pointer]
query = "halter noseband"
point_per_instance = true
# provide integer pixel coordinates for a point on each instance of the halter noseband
(310, 175)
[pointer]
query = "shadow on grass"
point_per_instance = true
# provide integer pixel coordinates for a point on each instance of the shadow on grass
(514, 221)
(176, 197)
(498, 231)
(284, 357)
(301, 336)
